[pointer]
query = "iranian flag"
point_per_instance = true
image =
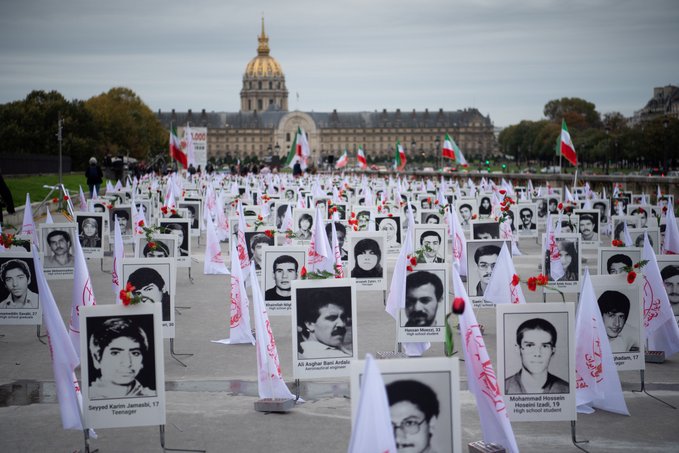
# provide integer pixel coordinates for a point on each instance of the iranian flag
(452, 151)
(360, 156)
(299, 151)
(400, 158)
(342, 161)
(176, 148)
(566, 146)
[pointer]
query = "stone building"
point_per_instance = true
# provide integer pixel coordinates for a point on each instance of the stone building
(264, 128)
(665, 102)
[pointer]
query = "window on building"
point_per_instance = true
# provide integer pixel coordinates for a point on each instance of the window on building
(259, 84)
(270, 85)
(287, 137)
(259, 105)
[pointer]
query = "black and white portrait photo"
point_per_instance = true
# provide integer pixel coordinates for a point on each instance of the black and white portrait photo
(466, 208)
(162, 246)
(481, 259)
(637, 236)
(588, 227)
(91, 233)
(536, 356)
(367, 260)
(423, 318)
(341, 232)
(323, 317)
(302, 225)
(391, 226)
(255, 242)
(57, 249)
(432, 240)
(19, 298)
(620, 304)
(423, 402)
(180, 228)
(282, 265)
(193, 211)
(122, 363)
(564, 254)
(485, 230)
(669, 272)
(527, 219)
(124, 215)
(614, 260)
(154, 282)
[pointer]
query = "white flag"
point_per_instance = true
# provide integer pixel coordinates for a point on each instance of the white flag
(551, 250)
(337, 253)
(459, 242)
(659, 323)
(372, 431)
(397, 288)
(597, 380)
(81, 296)
(48, 216)
(118, 255)
(500, 289)
(671, 242)
(64, 357)
(269, 376)
(481, 377)
(319, 254)
(28, 226)
(213, 260)
(242, 254)
(83, 200)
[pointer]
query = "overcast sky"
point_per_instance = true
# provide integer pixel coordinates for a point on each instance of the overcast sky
(507, 58)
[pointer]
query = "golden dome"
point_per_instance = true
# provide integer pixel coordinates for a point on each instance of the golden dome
(263, 64)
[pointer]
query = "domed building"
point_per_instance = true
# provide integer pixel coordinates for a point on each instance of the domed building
(263, 130)
(263, 81)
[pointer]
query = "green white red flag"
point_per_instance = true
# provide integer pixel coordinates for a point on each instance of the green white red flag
(343, 160)
(176, 148)
(400, 157)
(299, 151)
(566, 146)
(450, 150)
(360, 156)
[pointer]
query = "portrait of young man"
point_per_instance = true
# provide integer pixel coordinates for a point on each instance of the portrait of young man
(17, 278)
(615, 310)
(414, 408)
(59, 251)
(123, 214)
(670, 277)
(121, 360)
(465, 210)
(616, 264)
(424, 296)
(588, 227)
(341, 232)
(536, 339)
(486, 230)
(285, 270)
(613, 260)
(323, 322)
(180, 228)
(151, 287)
(485, 258)
(431, 242)
(255, 245)
(527, 216)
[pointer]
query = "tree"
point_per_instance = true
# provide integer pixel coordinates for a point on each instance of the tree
(126, 125)
(578, 113)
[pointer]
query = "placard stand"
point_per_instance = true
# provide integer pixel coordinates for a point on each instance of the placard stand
(175, 354)
(162, 443)
(101, 261)
(573, 438)
(190, 277)
(86, 434)
(643, 390)
(40, 337)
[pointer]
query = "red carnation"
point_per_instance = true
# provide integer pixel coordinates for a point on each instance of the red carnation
(302, 273)
(66, 197)
(409, 268)
(532, 283)
(503, 191)
(269, 233)
(560, 206)
(413, 261)
(616, 243)
(631, 276)
(141, 223)
(458, 305)
(541, 279)
(515, 280)
(55, 200)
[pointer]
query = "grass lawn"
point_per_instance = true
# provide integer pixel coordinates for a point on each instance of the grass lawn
(20, 185)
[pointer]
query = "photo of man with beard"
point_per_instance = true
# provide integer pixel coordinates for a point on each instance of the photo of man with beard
(424, 293)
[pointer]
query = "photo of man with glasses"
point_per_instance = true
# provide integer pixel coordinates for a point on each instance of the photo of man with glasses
(414, 409)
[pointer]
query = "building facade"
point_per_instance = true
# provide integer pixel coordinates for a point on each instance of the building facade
(263, 130)
(664, 103)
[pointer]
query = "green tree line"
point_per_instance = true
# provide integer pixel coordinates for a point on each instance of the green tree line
(115, 123)
(605, 141)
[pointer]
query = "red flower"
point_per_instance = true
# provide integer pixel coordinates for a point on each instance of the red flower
(532, 283)
(474, 216)
(353, 214)
(436, 202)
(390, 215)
(617, 243)
(541, 279)
(269, 233)
(560, 206)
(129, 287)
(163, 209)
(55, 200)
(140, 223)
(458, 305)
(413, 261)
(260, 218)
(303, 272)
(503, 191)
(379, 208)
(152, 245)
(636, 265)
(66, 197)
(109, 206)
(631, 276)
(515, 280)
(409, 268)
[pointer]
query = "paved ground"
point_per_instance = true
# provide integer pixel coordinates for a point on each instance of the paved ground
(210, 402)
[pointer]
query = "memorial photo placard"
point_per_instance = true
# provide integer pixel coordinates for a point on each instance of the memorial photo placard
(122, 369)
(57, 250)
(637, 236)
(588, 228)
(302, 225)
(481, 258)
(391, 226)
(194, 213)
(101, 206)
(566, 252)
(526, 215)
(621, 310)
(424, 316)
(432, 240)
(324, 320)
(255, 241)
(669, 272)
(613, 260)
(19, 294)
(282, 265)
(536, 360)
(424, 400)
(90, 229)
(155, 281)
(367, 260)
(466, 209)
(181, 229)
(161, 246)
(485, 229)
(124, 215)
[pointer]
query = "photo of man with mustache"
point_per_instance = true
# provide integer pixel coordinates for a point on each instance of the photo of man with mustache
(424, 292)
(323, 321)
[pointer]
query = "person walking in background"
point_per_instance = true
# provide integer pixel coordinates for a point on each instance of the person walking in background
(94, 176)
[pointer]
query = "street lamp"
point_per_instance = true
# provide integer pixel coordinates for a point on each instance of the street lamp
(437, 144)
